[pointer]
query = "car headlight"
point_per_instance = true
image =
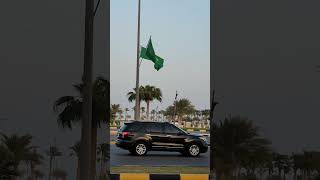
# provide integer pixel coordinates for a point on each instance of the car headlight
(204, 139)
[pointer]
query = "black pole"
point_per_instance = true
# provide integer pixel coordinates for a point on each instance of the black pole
(85, 150)
(212, 125)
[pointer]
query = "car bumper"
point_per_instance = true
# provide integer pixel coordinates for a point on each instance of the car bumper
(204, 149)
(124, 144)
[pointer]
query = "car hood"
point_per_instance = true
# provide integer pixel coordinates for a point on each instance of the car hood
(196, 134)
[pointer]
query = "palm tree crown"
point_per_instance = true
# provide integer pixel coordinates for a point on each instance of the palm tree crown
(148, 94)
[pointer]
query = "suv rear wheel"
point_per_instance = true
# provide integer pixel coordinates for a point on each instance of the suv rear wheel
(193, 150)
(140, 149)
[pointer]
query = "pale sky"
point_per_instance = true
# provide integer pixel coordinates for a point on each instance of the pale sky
(180, 33)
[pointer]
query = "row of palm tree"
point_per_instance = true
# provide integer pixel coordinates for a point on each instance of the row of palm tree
(69, 110)
(103, 156)
(17, 156)
(19, 159)
(183, 108)
(240, 152)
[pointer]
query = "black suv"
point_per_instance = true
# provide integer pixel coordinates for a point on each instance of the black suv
(139, 137)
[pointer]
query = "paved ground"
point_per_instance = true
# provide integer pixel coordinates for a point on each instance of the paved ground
(120, 157)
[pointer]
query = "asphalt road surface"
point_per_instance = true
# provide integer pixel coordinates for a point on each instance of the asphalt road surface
(120, 157)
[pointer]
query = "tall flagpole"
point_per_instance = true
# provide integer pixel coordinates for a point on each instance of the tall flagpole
(137, 107)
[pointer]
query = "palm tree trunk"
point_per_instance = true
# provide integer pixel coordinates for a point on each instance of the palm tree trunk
(93, 149)
(148, 104)
(32, 171)
(78, 170)
(50, 167)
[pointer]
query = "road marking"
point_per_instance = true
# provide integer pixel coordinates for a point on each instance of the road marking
(194, 176)
(130, 176)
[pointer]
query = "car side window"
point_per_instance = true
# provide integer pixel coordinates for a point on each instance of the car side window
(170, 129)
(131, 128)
(154, 128)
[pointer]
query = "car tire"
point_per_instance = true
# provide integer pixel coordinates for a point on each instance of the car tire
(140, 148)
(193, 150)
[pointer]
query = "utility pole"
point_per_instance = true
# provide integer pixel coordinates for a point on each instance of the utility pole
(137, 108)
(86, 129)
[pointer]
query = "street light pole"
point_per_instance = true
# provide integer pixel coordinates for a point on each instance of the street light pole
(86, 129)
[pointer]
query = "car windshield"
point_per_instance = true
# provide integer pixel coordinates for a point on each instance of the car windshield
(181, 129)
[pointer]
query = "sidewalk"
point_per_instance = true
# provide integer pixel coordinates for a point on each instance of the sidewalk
(144, 176)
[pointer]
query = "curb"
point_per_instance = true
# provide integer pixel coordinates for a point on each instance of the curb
(145, 176)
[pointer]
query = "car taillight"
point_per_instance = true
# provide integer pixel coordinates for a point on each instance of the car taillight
(125, 134)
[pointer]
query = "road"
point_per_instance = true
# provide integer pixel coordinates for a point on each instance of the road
(120, 157)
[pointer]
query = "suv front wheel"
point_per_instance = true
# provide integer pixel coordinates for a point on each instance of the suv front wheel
(140, 149)
(193, 150)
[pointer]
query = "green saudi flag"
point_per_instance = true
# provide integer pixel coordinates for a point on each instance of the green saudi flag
(149, 54)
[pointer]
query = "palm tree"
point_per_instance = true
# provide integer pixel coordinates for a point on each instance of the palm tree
(33, 159)
(183, 107)
(143, 110)
(169, 113)
(103, 152)
(148, 94)
(17, 147)
(53, 152)
(132, 96)
(297, 163)
(7, 164)
(205, 113)
(120, 114)
(236, 139)
(126, 115)
(308, 164)
(151, 93)
(282, 163)
(75, 151)
(153, 114)
(115, 109)
(162, 114)
(69, 109)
